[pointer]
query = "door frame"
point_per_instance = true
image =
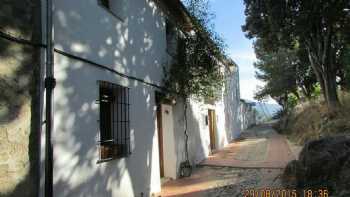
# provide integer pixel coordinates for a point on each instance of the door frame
(160, 136)
(212, 129)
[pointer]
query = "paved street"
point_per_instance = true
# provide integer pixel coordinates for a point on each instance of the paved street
(259, 147)
(254, 161)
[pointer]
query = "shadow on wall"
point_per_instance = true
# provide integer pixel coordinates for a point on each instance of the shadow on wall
(19, 99)
(110, 41)
(77, 173)
(127, 47)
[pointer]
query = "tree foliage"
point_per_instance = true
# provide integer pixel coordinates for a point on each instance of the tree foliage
(284, 71)
(196, 71)
(321, 26)
(278, 71)
(345, 70)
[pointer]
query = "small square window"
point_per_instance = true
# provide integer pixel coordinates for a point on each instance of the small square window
(117, 8)
(171, 38)
(114, 121)
(105, 3)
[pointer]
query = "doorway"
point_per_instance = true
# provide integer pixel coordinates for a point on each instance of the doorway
(160, 139)
(212, 129)
(166, 140)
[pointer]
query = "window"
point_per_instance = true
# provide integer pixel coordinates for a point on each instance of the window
(171, 38)
(105, 3)
(114, 121)
(118, 8)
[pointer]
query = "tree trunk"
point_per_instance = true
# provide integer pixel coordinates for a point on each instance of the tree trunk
(318, 74)
(322, 55)
(306, 91)
(330, 90)
(327, 79)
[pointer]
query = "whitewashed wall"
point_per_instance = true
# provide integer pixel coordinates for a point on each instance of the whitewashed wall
(198, 132)
(231, 101)
(247, 115)
(135, 46)
(169, 143)
(228, 122)
(76, 134)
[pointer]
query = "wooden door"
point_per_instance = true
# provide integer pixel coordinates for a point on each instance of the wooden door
(212, 129)
(160, 139)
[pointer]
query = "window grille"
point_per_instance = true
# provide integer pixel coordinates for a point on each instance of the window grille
(114, 121)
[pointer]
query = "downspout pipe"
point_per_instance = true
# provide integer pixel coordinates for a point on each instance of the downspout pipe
(50, 83)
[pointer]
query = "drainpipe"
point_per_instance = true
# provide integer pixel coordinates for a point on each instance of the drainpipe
(50, 83)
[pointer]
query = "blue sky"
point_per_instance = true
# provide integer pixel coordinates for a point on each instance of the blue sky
(228, 21)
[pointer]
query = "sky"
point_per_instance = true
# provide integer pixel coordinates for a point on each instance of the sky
(228, 22)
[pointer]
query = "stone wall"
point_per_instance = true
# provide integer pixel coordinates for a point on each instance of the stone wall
(19, 98)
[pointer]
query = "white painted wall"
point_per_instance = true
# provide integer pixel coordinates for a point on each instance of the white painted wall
(227, 110)
(228, 122)
(76, 134)
(135, 46)
(198, 132)
(169, 149)
(248, 115)
(231, 101)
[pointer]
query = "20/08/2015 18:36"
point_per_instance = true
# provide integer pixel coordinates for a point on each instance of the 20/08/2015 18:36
(285, 193)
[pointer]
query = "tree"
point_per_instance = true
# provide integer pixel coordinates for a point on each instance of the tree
(284, 71)
(345, 71)
(278, 71)
(319, 25)
(306, 78)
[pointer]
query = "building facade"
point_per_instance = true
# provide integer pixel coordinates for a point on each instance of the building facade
(111, 136)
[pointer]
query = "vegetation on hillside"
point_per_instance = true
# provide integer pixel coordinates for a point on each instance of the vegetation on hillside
(310, 120)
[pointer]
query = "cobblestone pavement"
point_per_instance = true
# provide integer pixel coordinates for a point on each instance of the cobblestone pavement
(256, 180)
(209, 181)
(250, 163)
(259, 147)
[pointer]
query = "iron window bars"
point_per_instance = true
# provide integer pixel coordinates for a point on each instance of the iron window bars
(114, 121)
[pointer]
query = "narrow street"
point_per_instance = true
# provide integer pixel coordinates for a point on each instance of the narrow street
(254, 161)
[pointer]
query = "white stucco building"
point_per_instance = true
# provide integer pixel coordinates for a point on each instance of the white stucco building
(109, 58)
(248, 114)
